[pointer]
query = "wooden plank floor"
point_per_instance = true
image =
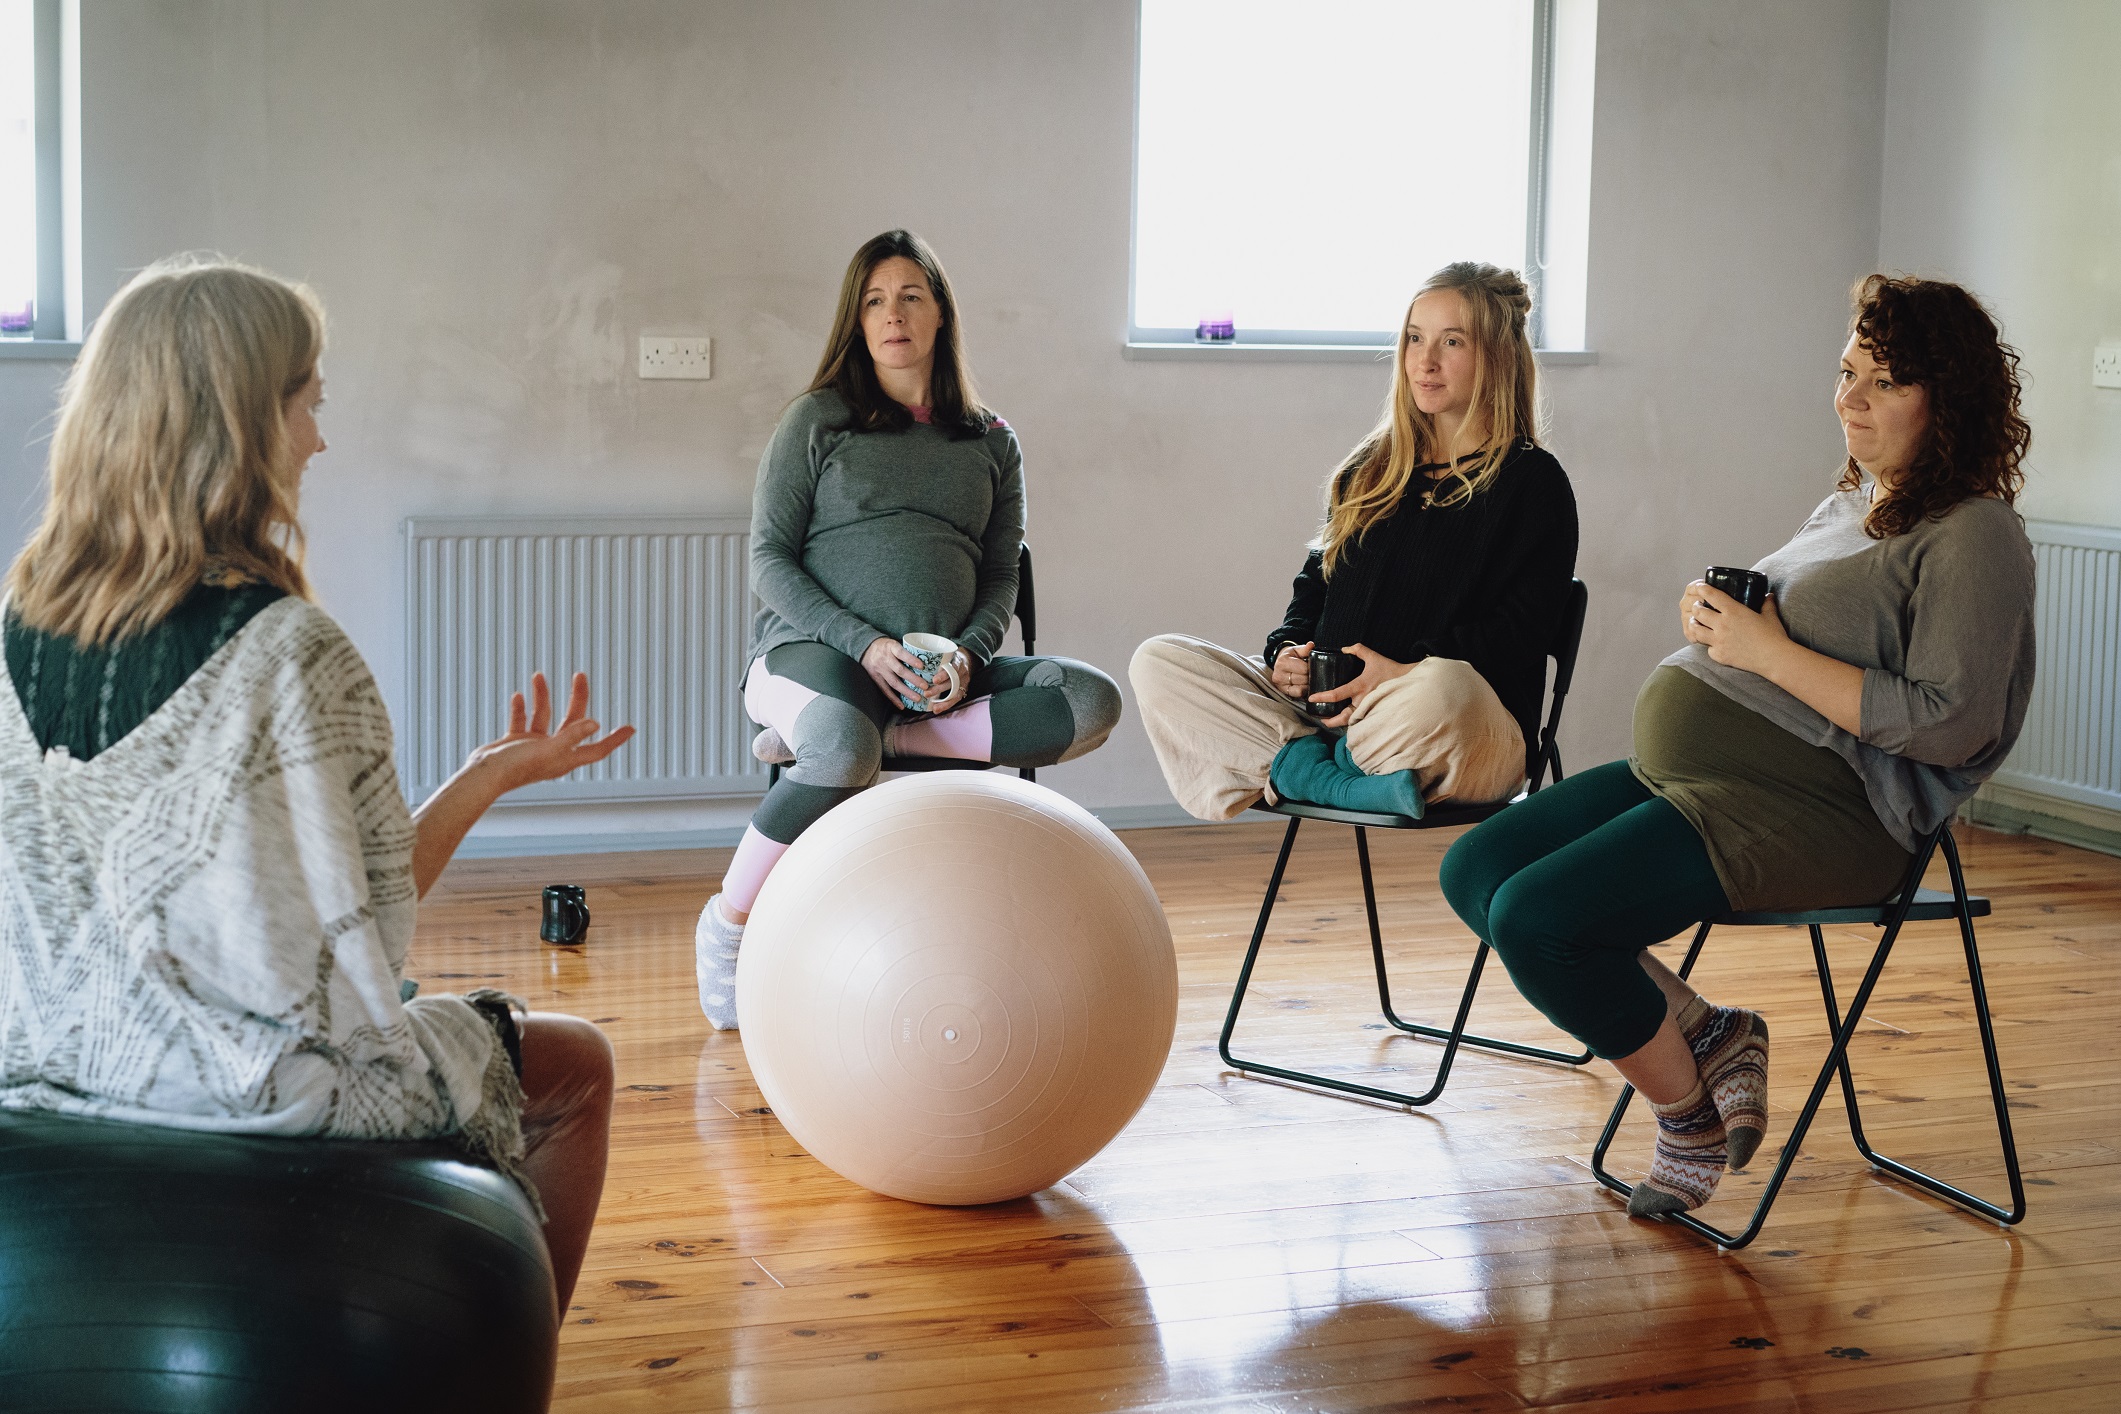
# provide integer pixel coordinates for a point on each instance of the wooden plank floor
(1247, 1246)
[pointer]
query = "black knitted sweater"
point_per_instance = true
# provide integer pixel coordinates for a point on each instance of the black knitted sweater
(86, 699)
(1483, 581)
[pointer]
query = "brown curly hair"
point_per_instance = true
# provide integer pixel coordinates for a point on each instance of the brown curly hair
(1937, 335)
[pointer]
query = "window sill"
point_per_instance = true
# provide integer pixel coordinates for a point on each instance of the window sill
(50, 350)
(1240, 352)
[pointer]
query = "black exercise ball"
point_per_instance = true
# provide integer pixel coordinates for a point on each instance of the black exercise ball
(144, 1268)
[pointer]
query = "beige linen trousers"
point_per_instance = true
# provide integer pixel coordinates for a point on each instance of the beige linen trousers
(1216, 720)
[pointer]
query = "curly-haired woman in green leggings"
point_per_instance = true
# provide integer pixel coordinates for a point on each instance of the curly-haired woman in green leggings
(1792, 757)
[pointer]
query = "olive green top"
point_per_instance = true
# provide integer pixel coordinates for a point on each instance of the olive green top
(86, 699)
(1787, 824)
(1940, 619)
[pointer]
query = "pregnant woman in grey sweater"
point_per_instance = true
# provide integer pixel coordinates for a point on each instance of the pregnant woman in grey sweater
(1793, 757)
(889, 502)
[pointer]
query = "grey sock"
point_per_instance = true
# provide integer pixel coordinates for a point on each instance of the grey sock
(714, 945)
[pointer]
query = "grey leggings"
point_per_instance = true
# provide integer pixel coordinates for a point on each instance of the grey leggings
(1044, 710)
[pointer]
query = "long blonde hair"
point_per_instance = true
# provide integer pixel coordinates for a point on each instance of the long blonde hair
(1369, 484)
(170, 457)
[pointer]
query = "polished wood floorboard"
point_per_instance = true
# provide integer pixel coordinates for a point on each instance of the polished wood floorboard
(1251, 1246)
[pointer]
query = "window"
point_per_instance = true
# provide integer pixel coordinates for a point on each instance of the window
(39, 202)
(18, 170)
(1302, 165)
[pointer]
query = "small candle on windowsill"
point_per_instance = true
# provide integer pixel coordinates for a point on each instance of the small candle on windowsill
(1216, 328)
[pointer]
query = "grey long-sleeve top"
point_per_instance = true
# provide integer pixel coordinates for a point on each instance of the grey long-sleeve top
(1940, 619)
(856, 535)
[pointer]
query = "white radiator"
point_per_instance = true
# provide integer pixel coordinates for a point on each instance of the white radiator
(656, 610)
(2071, 746)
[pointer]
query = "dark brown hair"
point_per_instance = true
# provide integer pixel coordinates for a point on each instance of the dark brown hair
(1937, 336)
(848, 370)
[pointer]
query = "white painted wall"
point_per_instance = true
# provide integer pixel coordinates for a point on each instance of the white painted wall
(496, 198)
(2002, 170)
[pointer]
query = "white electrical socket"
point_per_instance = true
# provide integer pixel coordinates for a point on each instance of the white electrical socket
(2106, 366)
(667, 356)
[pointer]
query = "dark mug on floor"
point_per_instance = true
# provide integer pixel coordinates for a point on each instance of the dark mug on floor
(1330, 669)
(1748, 587)
(566, 914)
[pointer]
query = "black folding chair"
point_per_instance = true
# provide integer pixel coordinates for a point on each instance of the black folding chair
(1027, 620)
(1913, 903)
(1543, 761)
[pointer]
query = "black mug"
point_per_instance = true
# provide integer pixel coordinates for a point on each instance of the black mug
(1748, 587)
(1331, 669)
(566, 914)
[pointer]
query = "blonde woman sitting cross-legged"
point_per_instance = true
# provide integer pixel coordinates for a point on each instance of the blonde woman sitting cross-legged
(1440, 575)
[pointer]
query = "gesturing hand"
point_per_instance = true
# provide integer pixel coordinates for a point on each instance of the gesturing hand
(531, 751)
(1734, 635)
(1292, 669)
(1377, 670)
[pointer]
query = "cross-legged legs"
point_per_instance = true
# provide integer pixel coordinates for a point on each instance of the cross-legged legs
(1218, 723)
(1021, 712)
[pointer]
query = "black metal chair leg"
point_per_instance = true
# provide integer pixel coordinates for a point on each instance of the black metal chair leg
(1825, 969)
(1452, 1038)
(1458, 1033)
(1998, 1098)
(1693, 952)
(1244, 983)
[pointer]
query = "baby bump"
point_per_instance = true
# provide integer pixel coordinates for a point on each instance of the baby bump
(904, 574)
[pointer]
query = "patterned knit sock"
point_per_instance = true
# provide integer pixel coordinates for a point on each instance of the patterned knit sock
(714, 944)
(1689, 1160)
(1730, 1045)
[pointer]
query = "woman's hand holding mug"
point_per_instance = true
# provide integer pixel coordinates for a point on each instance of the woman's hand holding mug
(1377, 670)
(1292, 669)
(896, 669)
(924, 672)
(1735, 636)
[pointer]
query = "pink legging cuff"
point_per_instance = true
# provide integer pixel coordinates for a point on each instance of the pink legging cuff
(746, 875)
(966, 734)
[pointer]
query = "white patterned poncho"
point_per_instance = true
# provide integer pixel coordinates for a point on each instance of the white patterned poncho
(205, 925)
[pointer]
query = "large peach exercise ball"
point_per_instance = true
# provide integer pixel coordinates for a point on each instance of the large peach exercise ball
(956, 988)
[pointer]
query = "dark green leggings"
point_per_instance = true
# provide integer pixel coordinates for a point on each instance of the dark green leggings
(1570, 885)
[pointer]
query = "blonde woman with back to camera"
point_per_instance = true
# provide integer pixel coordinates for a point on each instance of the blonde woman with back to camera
(210, 874)
(1441, 572)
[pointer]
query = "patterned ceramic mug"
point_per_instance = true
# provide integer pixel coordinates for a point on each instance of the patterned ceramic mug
(938, 655)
